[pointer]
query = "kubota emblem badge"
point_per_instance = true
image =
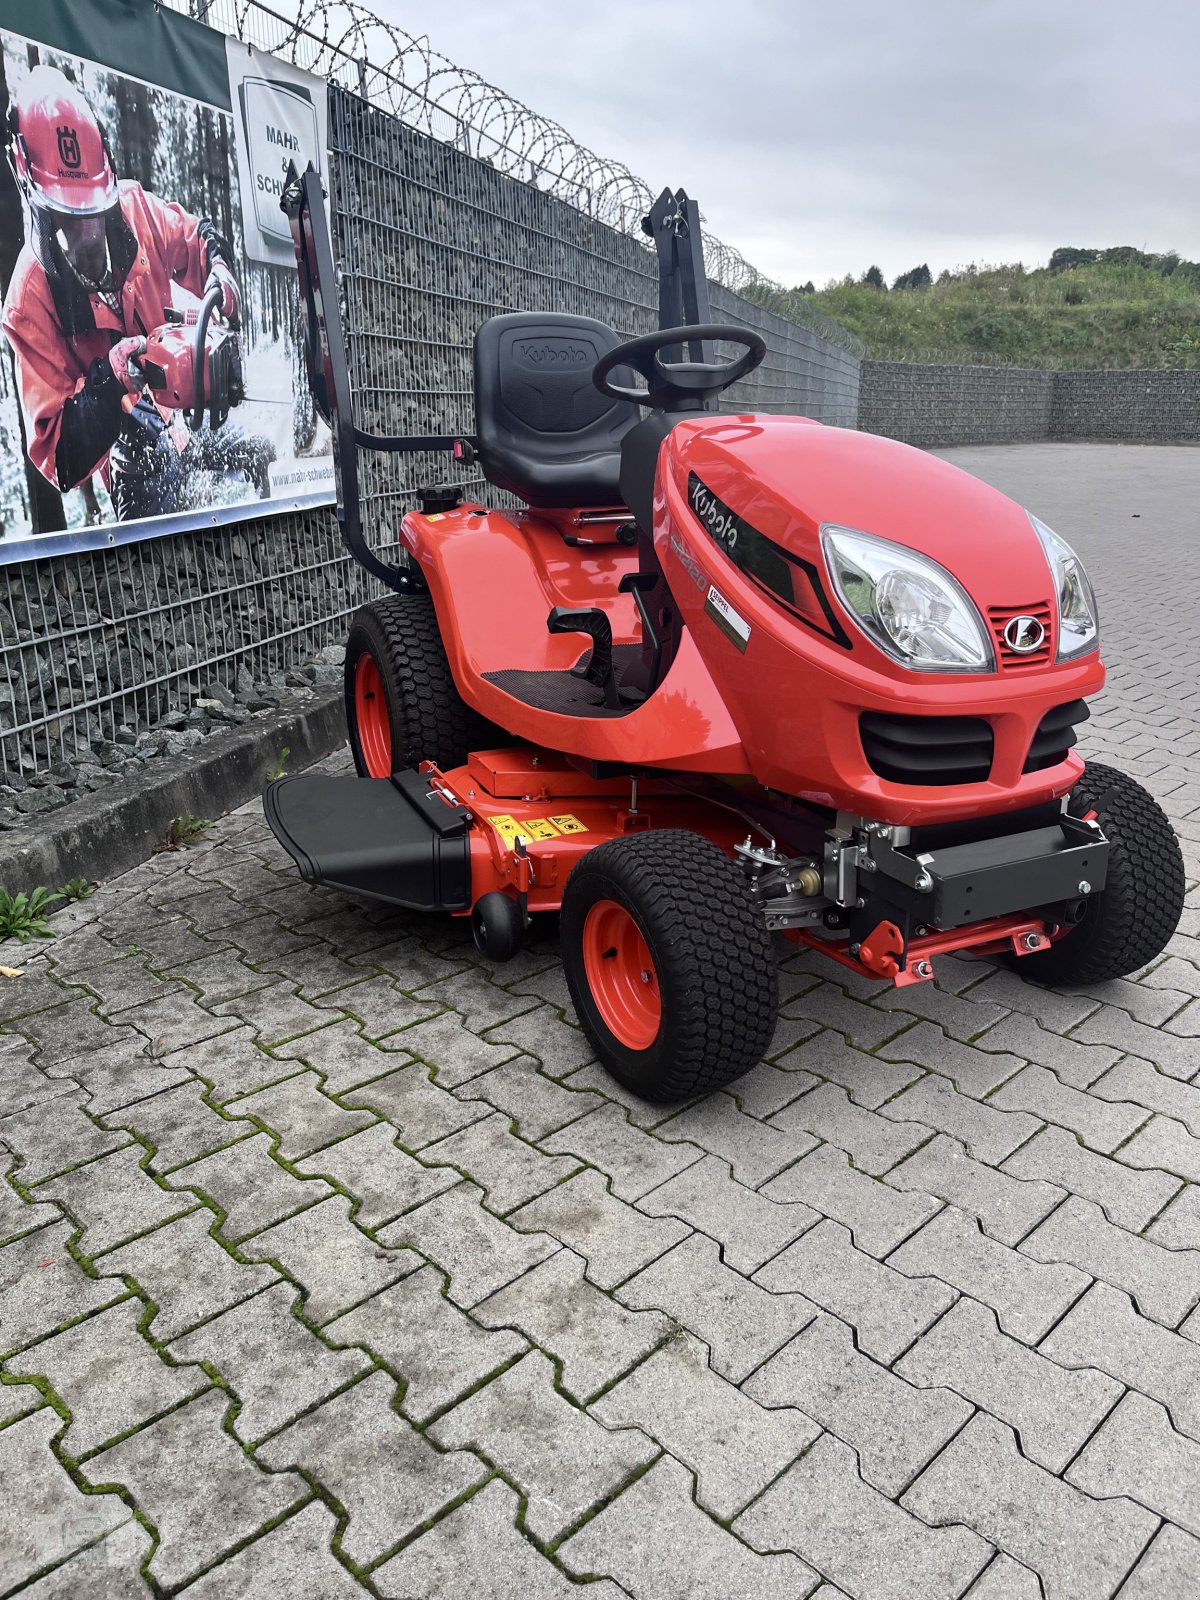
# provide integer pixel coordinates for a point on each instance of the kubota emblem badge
(1024, 635)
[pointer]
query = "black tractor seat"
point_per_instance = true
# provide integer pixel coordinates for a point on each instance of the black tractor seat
(545, 432)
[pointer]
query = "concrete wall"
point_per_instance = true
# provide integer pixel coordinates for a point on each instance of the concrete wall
(942, 404)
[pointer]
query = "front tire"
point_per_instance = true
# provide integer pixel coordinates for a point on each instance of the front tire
(402, 704)
(1133, 917)
(669, 964)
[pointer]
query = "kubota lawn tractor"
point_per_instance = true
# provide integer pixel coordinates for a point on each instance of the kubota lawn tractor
(722, 677)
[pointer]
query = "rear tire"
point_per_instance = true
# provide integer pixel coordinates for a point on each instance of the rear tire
(402, 705)
(669, 964)
(1133, 917)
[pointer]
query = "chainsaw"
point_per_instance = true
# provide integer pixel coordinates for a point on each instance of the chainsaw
(193, 363)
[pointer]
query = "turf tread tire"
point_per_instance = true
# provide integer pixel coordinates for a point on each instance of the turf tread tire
(709, 941)
(429, 719)
(1132, 919)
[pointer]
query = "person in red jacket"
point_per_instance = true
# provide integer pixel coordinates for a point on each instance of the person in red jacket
(93, 278)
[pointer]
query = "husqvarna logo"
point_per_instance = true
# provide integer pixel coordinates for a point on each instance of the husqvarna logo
(1024, 635)
(68, 147)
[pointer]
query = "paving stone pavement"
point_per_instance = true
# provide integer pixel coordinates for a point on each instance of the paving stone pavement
(331, 1264)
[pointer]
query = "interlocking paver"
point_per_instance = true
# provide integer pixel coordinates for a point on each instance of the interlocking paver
(45, 1517)
(1053, 1408)
(233, 1064)
(1168, 1569)
(119, 1074)
(382, 1178)
(1073, 1062)
(740, 1322)
(185, 1272)
(41, 1287)
(1178, 1227)
(54, 1135)
(22, 1085)
(1142, 1084)
(988, 1133)
(541, 1033)
(1166, 1145)
(1105, 1330)
(536, 1103)
(437, 1350)
(387, 1475)
(556, 1454)
(457, 1055)
(1165, 1284)
(293, 1559)
(249, 1185)
(172, 1022)
(864, 1541)
(749, 1227)
(476, 1551)
(1008, 1208)
(594, 1337)
(829, 1005)
(874, 1142)
(614, 1239)
(896, 1428)
(1053, 1008)
(419, 1111)
(733, 1445)
(1129, 1198)
(1137, 1453)
(106, 1570)
(483, 1003)
(195, 1484)
(1176, 1056)
(1080, 1548)
(1028, 1297)
(276, 1013)
(701, 1562)
(479, 1252)
(1006, 1579)
(18, 1216)
(275, 1366)
(635, 1161)
(71, 1030)
(972, 1068)
(886, 1309)
(179, 1125)
(868, 1079)
(1098, 1124)
(109, 1376)
(754, 1149)
(879, 1217)
(303, 1118)
(509, 1170)
(333, 1260)
(962, 1017)
(340, 1056)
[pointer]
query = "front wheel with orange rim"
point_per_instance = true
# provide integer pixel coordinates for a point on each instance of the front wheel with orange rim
(669, 963)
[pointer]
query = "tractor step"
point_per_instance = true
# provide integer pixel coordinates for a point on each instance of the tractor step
(391, 839)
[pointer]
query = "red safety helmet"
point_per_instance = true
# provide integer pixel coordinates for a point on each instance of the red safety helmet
(57, 149)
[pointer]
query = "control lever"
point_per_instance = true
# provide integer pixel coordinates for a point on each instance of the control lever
(595, 623)
(639, 584)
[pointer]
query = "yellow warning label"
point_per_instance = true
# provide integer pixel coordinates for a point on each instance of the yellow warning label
(535, 828)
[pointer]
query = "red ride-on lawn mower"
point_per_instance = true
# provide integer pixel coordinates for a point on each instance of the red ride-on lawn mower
(722, 676)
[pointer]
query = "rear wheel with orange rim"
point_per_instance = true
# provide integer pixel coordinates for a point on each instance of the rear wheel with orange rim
(669, 963)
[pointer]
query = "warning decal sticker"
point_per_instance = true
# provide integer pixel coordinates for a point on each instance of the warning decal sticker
(535, 828)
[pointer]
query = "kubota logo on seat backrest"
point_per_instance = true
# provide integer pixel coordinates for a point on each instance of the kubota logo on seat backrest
(554, 353)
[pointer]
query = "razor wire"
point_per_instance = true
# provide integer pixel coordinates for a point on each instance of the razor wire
(347, 44)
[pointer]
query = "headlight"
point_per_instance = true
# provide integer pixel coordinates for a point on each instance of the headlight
(1078, 618)
(906, 604)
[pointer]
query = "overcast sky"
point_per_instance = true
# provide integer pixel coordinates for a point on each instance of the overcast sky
(819, 138)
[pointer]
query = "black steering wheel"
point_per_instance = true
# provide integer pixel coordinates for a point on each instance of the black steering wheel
(681, 383)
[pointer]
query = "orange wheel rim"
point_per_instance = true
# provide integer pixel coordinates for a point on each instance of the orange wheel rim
(371, 717)
(621, 975)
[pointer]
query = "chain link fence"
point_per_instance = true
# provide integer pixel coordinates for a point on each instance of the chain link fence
(436, 227)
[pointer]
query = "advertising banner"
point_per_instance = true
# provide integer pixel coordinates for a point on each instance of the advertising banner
(151, 363)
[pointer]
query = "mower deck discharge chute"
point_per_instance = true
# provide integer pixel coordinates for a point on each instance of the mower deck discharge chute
(724, 677)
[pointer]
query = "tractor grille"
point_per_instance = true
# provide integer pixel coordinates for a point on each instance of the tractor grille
(1012, 660)
(927, 750)
(1055, 735)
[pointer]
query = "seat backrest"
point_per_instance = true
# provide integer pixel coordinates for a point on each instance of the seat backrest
(545, 432)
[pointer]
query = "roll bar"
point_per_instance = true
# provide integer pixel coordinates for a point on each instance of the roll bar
(673, 223)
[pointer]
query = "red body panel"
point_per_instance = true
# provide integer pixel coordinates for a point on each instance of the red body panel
(787, 709)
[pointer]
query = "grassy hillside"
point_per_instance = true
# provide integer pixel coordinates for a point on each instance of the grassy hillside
(1122, 309)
